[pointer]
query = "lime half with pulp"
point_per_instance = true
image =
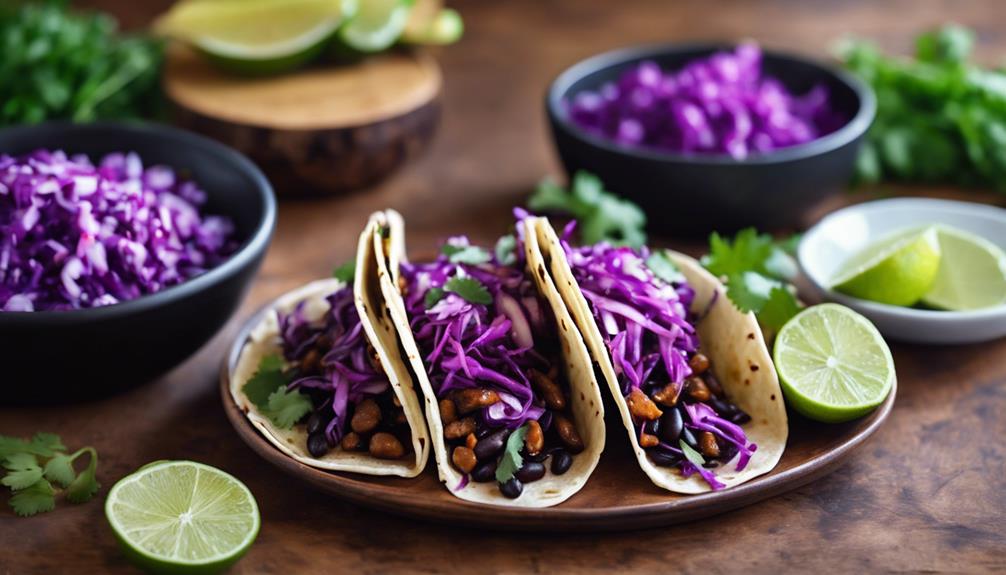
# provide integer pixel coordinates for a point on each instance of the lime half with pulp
(182, 517)
(897, 270)
(972, 273)
(257, 36)
(833, 364)
(376, 25)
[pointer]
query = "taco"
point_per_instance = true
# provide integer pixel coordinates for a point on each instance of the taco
(692, 378)
(514, 411)
(321, 378)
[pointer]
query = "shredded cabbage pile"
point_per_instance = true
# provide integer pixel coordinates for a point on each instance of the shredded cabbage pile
(716, 105)
(74, 235)
(348, 373)
(475, 345)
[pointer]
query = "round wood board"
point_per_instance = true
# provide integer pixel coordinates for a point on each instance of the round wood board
(326, 128)
(618, 495)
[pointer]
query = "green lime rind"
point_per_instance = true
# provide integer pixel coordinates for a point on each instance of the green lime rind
(376, 26)
(972, 273)
(447, 27)
(897, 270)
(266, 66)
(833, 364)
(143, 510)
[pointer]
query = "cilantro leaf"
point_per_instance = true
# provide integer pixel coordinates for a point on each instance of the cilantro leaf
(287, 407)
(691, 455)
(511, 460)
(663, 267)
(749, 290)
(505, 250)
(42, 444)
(267, 379)
(473, 255)
(747, 252)
(470, 289)
(36, 498)
(602, 215)
(59, 469)
(47, 442)
(85, 485)
(346, 272)
(779, 308)
(23, 471)
(433, 296)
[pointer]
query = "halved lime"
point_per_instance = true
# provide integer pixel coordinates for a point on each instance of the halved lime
(897, 270)
(972, 272)
(256, 36)
(433, 26)
(376, 25)
(833, 364)
(182, 517)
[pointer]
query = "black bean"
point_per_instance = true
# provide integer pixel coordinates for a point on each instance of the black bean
(530, 472)
(663, 458)
(490, 445)
(671, 426)
(689, 438)
(561, 462)
(316, 422)
(653, 427)
(712, 383)
(485, 472)
(317, 444)
(740, 418)
(727, 451)
(722, 408)
(483, 430)
(512, 488)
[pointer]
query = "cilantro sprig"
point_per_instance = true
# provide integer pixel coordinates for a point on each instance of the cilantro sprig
(511, 460)
(346, 272)
(267, 389)
(470, 289)
(473, 255)
(601, 215)
(35, 466)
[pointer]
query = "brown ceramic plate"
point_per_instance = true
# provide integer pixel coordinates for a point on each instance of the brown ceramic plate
(618, 495)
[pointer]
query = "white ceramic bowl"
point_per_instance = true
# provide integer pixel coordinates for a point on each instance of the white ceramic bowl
(839, 235)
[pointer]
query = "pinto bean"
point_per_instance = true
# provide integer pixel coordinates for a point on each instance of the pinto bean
(386, 446)
(468, 400)
(460, 428)
(567, 433)
(699, 363)
(708, 445)
(648, 440)
(642, 407)
(534, 441)
(471, 441)
(366, 417)
(549, 390)
(667, 395)
(448, 412)
(350, 442)
(697, 389)
(464, 459)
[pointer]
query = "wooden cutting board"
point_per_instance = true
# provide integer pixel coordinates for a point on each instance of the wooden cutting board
(325, 129)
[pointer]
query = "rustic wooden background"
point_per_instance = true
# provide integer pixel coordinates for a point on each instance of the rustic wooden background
(928, 493)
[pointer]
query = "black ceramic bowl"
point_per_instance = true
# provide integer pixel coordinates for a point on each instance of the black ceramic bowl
(57, 356)
(695, 194)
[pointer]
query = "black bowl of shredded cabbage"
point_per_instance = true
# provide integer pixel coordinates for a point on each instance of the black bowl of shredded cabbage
(124, 247)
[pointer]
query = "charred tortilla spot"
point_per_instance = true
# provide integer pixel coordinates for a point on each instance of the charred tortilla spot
(747, 382)
(772, 397)
(751, 335)
(754, 367)
(541, 272)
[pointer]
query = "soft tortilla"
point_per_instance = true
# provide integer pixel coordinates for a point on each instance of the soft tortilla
(264, 340)
(731, 339)
(587, 407)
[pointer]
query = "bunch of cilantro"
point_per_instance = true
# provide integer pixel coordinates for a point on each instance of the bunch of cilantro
(38, 469)
(59, 64)
(939, 118)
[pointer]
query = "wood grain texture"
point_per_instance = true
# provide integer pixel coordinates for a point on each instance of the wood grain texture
(927, 493)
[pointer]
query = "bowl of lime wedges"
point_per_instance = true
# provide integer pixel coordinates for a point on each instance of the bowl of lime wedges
(923, 270)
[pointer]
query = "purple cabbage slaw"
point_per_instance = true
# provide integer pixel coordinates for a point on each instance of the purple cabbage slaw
(649, 332)
(74, 235)
(721, 104)
(468, 345)
(347, 370)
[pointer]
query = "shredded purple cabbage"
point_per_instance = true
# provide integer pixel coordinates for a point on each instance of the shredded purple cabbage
(74, 235)
(721, 104)
(471, 345)
(348, 372)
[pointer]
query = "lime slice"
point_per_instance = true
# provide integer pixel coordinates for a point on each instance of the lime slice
(182, 517)
(433, 28)
(376, 25)
(256, 36)
(972, 273)
(897, 270)
(833, 364)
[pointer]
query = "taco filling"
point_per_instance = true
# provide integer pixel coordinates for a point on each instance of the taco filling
(641, 303)
(493, 355)
(331, 362)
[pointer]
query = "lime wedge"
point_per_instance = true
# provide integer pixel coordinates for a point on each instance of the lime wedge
(833, 364)
(439, 28)
(897, 270)
(972, 273)
(376, 25)
(256, 36)
(182, 517)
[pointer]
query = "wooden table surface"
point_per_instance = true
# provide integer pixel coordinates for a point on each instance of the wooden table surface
(928, 493)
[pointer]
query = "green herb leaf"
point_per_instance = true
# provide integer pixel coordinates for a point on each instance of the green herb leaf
(36, 498)
(747, 252)
(472, 255)
(505, 250)
(41, 444)
(23, 471)
(346, 272)
(779, 308)
(601, 215)
(749, 290)
(433, 296)
(85, 485)
(267, 379)
(662, 266)
(287, 407)
(691, 455)
(59, 469)
(511, 460)
(470, 289)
